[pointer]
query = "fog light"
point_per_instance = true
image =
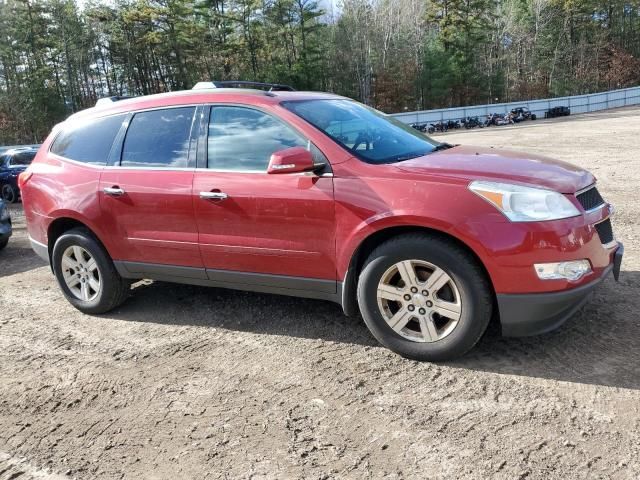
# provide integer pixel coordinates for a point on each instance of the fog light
(571, 271)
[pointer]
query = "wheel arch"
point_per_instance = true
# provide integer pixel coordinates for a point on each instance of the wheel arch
(369, 243)
(63, 224)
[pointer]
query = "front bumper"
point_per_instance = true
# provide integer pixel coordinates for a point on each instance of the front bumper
(536, 313)
(5, 230)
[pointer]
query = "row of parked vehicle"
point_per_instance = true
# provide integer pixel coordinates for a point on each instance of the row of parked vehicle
(516, 115)
(12, 163)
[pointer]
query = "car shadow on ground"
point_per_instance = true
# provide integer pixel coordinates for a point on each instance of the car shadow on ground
(18, 259)
(600, 345)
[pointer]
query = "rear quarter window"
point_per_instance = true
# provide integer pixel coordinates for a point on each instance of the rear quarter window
(88, 142)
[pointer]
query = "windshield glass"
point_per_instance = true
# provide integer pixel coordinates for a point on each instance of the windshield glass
(370, 135)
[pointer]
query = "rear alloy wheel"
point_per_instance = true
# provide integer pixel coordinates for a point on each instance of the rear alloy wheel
(9, 193)
(86, 273)
(81, 273)
(424, 297)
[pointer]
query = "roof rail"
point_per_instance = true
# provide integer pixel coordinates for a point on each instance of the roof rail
(109, 100)
(272, 87)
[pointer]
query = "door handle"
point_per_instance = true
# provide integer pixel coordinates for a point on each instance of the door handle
(213, 195)
(114, 191)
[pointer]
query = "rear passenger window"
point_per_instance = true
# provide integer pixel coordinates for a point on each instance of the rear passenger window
(159, 138)
(88, 142)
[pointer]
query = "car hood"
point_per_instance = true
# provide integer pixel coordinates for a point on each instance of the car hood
(475, 163)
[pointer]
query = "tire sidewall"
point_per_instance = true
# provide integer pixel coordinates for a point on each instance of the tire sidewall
(90, 245)
(474, 316)
(13, 197)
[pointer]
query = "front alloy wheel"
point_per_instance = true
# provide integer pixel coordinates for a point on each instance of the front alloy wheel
(425, 296)
(419, 301)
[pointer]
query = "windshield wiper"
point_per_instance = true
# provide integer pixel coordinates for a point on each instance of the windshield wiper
(443, 146)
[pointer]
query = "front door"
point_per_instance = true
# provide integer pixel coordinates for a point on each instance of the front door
(146, 196)
(277, 229)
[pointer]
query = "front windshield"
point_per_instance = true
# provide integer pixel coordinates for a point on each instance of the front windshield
(370, 135)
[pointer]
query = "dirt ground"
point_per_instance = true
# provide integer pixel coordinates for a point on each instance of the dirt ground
(190, 382)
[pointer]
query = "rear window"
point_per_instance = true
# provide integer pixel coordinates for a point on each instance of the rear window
(88, 142)
(159, 138)
(22, 159)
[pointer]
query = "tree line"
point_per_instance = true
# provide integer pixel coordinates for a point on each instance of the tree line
(60, 56)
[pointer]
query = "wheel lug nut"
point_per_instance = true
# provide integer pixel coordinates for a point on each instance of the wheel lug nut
(425, 293)
(407, 297)
(429, 304)
(411, 308)
(422, 311)
(414, 290)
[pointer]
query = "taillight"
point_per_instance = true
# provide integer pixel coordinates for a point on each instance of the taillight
(24, 178)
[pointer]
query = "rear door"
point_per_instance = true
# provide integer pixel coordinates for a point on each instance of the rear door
(275, 226)
(146, 191)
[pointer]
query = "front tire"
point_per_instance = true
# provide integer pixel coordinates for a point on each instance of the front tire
(86, 274)
(424, 297)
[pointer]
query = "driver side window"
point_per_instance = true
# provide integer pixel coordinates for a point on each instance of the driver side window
(243, 139)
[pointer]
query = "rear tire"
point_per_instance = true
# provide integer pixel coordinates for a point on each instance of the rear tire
(86, 273)
(4, 243)
(9, 193)
(446, 305)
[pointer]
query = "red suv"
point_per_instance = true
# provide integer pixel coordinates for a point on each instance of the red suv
(315, 195)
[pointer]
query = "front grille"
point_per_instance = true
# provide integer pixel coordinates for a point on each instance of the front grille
(605, 231)
(590, 199)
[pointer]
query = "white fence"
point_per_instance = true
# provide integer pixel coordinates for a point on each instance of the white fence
(578, 104)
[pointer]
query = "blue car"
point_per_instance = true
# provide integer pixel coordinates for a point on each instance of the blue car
(12, 163)
(5, 225)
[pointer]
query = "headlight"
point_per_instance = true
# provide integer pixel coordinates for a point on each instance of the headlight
(4, 213)
(525, 204)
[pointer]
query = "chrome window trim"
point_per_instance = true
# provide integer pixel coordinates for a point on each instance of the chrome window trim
(184, 169)
(76, 162)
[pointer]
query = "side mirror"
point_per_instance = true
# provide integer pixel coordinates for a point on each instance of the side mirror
(291, 160)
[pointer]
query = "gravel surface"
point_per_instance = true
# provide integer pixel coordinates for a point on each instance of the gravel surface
(190, 382)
